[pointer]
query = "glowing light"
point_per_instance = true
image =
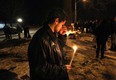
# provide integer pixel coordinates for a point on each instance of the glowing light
(75, 49)
(67, 33)
(70, 32)
(84, 0)
(19, 20)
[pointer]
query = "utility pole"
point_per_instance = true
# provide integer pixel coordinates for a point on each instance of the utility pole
(75, 20)
(75, 15)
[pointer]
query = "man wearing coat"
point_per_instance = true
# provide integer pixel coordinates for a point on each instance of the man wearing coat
(45, 53)
(102, 32)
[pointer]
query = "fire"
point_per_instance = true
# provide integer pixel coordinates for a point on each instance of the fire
(74, 48)
(70, 32)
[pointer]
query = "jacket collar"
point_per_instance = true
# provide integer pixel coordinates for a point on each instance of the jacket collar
(50, 33)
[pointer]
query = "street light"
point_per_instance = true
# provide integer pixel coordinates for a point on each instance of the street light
(19, 20)
(76, 8)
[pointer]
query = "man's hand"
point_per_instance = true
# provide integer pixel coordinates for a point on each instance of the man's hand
(63, 30)
(68, 67)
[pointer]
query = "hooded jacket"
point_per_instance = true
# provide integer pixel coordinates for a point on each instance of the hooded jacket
(46, 56)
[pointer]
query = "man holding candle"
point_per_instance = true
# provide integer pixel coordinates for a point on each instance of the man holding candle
(45, 54)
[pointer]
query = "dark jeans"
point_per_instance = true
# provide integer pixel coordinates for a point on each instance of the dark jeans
(113, 41)
(101, 45)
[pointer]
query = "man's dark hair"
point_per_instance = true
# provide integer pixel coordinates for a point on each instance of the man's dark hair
(56, 13)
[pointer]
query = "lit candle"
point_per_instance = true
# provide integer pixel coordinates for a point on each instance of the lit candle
(67, 33)
(74, 48)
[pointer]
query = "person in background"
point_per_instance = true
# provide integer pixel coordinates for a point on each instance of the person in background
(45, 53)
(19, 30)
(26, 31)
(102, 32)
(6, 30)
(113, 35)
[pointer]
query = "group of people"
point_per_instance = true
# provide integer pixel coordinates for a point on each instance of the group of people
(6, 30)
(102, 32)
(45, 51)
(104, 29)
(9, 30)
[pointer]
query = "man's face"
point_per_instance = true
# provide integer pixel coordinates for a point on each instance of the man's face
(59, 26)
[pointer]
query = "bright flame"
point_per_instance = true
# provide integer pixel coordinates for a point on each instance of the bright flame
(74, 48)
(70, 32)
(67, 33)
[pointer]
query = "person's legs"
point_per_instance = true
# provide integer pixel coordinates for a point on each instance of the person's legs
(25, 33)
(19, 35)
(102, 51)
(103, 44)
(28, 34)
(97, 48)
(113, 41)
(112, 44)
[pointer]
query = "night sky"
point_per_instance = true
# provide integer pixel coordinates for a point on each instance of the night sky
(96, 9)
(37, 9)
(34, 11)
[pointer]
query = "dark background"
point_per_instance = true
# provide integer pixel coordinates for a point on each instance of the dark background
(34, 11)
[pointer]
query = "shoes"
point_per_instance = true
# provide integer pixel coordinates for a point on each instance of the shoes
(97, 56)
(102, 57)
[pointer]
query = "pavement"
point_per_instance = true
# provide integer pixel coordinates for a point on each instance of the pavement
(13, 57)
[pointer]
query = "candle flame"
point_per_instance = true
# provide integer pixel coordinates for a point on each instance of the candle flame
(70, 32)
(74, 48)
(67, 33)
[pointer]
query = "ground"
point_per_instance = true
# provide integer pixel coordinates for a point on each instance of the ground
(13, 58)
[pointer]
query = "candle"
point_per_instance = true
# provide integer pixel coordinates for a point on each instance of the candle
(67, 33)
(74, 48)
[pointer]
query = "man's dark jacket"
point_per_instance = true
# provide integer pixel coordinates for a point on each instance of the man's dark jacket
(45, 56)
